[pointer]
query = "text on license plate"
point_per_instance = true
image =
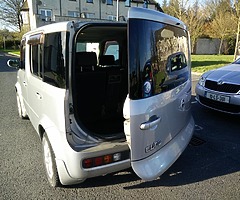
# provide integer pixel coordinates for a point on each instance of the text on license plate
(215, 97)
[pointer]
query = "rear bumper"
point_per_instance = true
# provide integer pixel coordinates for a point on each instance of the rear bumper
(71, 170)
(160, 161)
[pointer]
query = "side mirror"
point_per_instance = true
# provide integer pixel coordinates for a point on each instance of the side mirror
(13, 63)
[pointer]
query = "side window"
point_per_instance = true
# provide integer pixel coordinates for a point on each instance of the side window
(36, 54)
(54, 59)
(23, 53)
(112, 48)
(46, 15)
(36, 59)
(73, 14)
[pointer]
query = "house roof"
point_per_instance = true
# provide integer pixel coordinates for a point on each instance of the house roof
(25, 6)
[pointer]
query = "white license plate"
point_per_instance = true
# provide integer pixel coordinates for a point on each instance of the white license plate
(215, 97)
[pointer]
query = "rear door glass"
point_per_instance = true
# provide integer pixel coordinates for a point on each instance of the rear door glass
(159, 58)
(112, 48)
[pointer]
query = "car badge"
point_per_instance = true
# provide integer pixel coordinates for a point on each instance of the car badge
(220, 82)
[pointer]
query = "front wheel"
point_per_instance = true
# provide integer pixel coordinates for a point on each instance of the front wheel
(49, 162)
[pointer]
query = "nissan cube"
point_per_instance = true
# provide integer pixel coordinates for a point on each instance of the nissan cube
(105, 96)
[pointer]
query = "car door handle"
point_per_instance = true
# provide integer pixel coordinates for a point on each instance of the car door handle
(39, 96)
(151, 124)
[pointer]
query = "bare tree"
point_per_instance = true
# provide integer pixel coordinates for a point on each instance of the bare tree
(190, 13)
(237, 13)
(176, 8)
(212, 7)
(10, 13)
(223, 26)
(195, 19)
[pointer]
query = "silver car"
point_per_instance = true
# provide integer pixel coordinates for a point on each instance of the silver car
(220, 89)
(106, 96)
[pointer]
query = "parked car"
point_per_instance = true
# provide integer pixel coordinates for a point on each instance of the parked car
(220, 89)
(106, 96)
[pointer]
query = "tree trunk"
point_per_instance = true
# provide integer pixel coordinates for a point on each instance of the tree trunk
(237, 39)
(220, 46)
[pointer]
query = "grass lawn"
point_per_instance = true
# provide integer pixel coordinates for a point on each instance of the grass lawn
(203, 63)
(17, 52)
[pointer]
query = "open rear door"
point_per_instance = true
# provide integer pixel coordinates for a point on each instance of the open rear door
(158, 123)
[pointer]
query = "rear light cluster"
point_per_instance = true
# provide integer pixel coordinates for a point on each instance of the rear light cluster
(105, 159)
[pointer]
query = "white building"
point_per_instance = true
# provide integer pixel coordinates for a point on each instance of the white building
(40, 12)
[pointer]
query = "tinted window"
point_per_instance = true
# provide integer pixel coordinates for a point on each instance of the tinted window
(157, 58)
(36, 59)
(54, 58)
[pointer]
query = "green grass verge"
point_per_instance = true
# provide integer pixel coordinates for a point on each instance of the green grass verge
(17, 52)
(203, 63)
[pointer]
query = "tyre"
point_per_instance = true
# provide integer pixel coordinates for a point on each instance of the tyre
(49, 162)
(20, 110)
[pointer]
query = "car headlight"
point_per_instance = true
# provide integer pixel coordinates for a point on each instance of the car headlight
(202, 81)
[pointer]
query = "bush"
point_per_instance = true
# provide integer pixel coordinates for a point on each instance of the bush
(10, 44)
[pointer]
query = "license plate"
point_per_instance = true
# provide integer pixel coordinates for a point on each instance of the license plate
(215, 97)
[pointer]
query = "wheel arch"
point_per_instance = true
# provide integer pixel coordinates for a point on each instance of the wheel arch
(46, 126)
(41, 131)
(53, 135)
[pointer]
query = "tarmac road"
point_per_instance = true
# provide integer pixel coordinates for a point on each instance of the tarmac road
(208, 169)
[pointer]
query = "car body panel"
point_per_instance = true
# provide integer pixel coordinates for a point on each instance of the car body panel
(230, 73)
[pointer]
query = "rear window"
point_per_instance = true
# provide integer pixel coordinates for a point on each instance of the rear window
(112, 48)
(158, 58)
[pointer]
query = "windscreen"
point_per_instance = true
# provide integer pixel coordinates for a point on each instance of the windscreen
(158, 57)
